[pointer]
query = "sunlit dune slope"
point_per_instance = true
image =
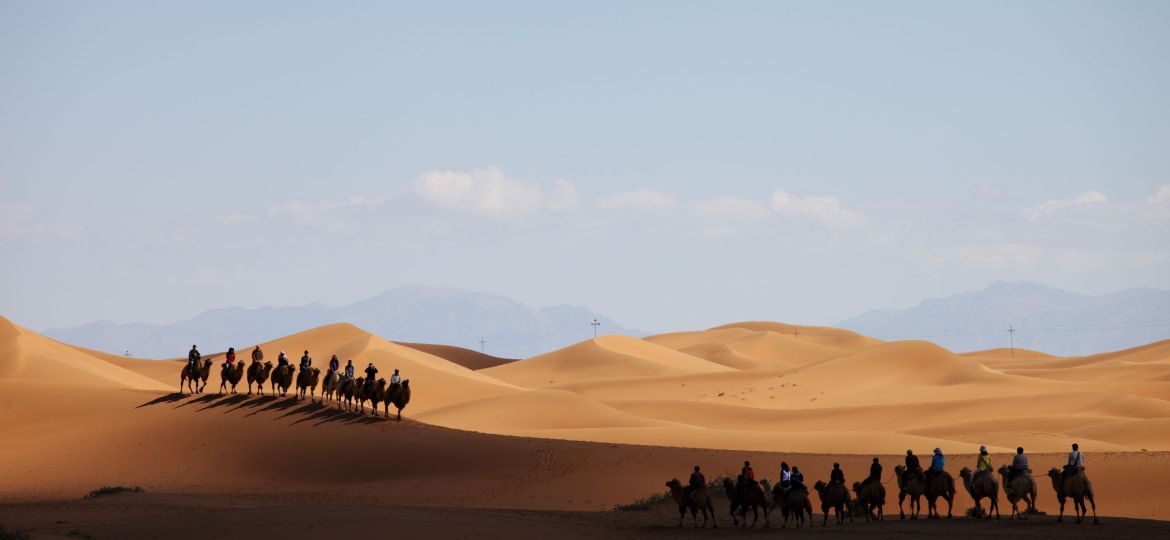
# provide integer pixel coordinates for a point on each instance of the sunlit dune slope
(28, 356)
(606, 357)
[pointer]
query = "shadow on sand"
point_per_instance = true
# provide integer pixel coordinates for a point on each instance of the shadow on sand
(301, 410)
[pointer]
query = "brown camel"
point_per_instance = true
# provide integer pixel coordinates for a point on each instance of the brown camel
(230, 375)
(258, 373)
(282, 378)
(330, 386)
(361, 393)
(1075, 486)
(793, 505)
(914, 489)
(346, 392)
(872, 496)
(835, 496)
(696, 501)
(377, 395)
(1023, 487)
(941, 484)
(398, 395)
(744, 495)
(194, 375)
(307, 380)
(981, 486)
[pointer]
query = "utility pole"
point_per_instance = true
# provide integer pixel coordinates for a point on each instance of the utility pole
(1012, 340)
(595, 324)
(482, 342)
(795, 334)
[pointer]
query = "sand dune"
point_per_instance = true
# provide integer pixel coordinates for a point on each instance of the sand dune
(82, 419)
(473, 360)
(606, 357)
(27, 356)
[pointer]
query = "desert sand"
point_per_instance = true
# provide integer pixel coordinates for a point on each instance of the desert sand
(561, 438)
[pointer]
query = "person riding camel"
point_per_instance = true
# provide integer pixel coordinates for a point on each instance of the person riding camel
(937, 463)
(836, 476)
(334, 364)
(395, 378)
(798, 480)
(193, 358)
(785, 476)
(1076, 462)
(231, 357)
(984, 463)
(1019, 465)
(257, 354)
(875, 472)
(747, 474)
(348, 370)
(371, 372)
(306, 361)
(697, 481)
(913, 467)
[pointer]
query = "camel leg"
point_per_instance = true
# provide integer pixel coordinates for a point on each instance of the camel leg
(1060, 518)
(901, 498)
(755, 515)
(1094, 505)
(682, 514)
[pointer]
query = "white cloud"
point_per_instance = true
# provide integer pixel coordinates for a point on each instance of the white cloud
(1162, 196)
(818, 208)
(23, 220)
(729, 209)
(643, 200)
(1034, 213)
(563, 197)
(487, 192)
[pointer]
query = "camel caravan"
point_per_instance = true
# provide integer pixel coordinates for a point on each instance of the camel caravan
(340, 388)
(868, 498)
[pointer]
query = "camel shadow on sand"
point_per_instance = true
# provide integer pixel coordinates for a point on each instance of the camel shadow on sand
(169, 398)
(302, 410)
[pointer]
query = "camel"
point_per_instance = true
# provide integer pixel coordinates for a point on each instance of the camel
(361, 393)
(346, 391)
(1022, 488)
(793, 505)
(744, 495)
(329, 388)
(230, 374)
(377, 395)
(982, 486)
(282, 378)
(1077, 487)
(258, 373)
(942, 485)
(835, 496)
(914, 489)
(197, 375)
(696, 501)
(871, 495)
(307, 379)
(398, 395)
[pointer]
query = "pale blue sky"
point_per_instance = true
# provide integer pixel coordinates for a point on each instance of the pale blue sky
(158, 159)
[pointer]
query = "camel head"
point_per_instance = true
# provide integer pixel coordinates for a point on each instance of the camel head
(965, 473)
(1054, 473)
(857, 488)
(1004, 470)
(674, 484)
(820, 486)
(728, 483)
(406, 383)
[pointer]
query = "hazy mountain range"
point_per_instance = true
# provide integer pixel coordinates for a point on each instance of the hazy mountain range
(1046, 319)
(449, 316)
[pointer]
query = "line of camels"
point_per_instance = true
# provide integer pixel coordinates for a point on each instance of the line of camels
(350, 394)
(871, 497)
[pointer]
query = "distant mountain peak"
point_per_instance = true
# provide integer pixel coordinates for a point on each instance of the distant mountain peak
(1048, 319)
